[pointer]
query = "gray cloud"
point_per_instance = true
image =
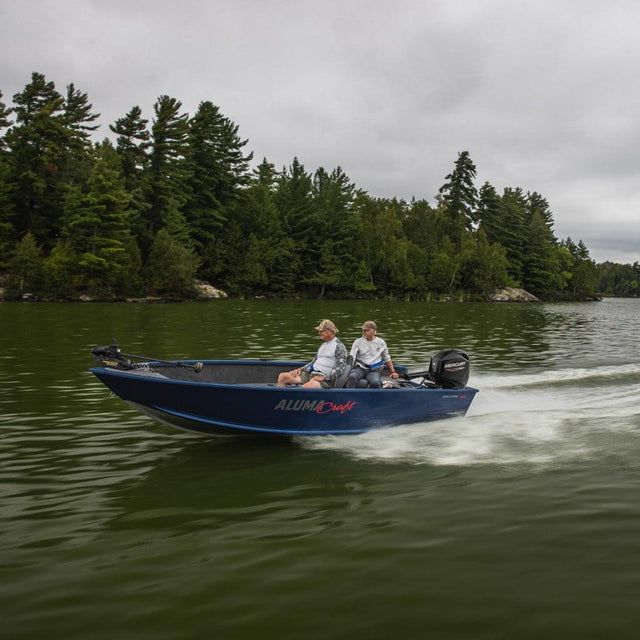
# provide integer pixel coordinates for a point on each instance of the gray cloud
(543, 95)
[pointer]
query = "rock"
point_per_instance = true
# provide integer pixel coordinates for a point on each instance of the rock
(512, 294)
(85, 298)
(206, 292)
(145, 300)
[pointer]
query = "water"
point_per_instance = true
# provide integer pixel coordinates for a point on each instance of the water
(521, 520)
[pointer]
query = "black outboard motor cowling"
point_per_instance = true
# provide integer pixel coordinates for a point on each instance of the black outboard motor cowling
(450, 368)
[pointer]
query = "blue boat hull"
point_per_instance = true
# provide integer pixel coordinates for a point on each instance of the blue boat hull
(259, 408)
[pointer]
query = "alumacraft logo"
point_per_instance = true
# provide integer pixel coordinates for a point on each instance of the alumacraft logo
(321, 407)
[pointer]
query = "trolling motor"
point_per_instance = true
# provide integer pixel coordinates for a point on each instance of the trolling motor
(112, 356)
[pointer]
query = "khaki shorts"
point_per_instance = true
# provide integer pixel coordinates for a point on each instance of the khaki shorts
(305, 376)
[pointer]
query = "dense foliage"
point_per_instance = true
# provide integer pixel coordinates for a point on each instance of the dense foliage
(176, 199)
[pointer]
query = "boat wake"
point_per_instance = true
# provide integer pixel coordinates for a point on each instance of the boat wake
(552, 418)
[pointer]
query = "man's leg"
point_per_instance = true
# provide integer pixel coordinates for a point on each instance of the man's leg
(287, 377)
(355, 375)
(373, 378)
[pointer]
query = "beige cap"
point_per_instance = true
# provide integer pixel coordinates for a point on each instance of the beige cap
(327, 324)
(370, 324)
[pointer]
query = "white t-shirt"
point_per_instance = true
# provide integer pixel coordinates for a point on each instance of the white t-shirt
(371, 353)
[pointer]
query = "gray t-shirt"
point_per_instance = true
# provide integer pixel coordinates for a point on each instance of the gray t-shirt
(370, 353)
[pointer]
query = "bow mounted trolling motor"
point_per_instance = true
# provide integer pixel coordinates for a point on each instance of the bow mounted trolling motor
(449, 368)
(111, 356)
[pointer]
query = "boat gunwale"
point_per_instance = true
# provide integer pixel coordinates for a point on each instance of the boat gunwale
(270, 386)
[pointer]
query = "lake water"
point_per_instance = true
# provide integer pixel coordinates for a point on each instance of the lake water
(521, 520)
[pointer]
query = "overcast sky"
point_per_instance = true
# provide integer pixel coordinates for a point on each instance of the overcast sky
(545, 95)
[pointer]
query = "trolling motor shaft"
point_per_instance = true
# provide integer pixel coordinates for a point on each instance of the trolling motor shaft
(112, 356)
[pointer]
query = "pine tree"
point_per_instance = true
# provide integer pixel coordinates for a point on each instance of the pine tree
(218, 171)
(26, 267)
(295, 201)
(7, 236)
(541, 269)
(77, 118)
(132, 144)
(5, 122)
(37, 145)
(489, 212)
(512, 233)
(171, 267)
(333, 197)
(459, 197)
(168, 172)
(48, 145)
(259, 235)
(98, 230)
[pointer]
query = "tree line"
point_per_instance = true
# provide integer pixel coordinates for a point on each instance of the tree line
(176, 199)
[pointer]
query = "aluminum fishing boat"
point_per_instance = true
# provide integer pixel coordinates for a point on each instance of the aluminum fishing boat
(234, 397)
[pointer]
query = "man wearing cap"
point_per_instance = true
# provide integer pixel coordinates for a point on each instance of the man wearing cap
(326, 367)
(369, 354)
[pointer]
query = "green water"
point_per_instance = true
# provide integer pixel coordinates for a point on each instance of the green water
(521, 520)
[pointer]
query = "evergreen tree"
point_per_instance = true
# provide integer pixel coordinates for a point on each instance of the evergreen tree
(459, 196)
(333, 198)
(5, 122)
(77, 118)
(295, 201)
(168, 172)
(261, 233)
(171, 267)
(541, 270)
(37, 145)
(7, 236)
(537, 204)
(98, 230)
(132, 144)
(489, 214)
(512, 233)
(26, 266)
(48, 144)
(218, 172)
(389, 248)
(61, 279)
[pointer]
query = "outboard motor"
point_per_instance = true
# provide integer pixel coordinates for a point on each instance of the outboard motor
(450, 368)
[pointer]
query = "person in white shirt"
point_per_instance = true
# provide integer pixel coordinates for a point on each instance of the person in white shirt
(370, 354)
(326, 367)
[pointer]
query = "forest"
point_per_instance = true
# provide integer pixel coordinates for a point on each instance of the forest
(166, 202)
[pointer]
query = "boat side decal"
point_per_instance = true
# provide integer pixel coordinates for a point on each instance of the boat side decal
(321, 407)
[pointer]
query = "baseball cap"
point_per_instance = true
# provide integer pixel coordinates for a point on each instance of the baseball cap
(327, 324)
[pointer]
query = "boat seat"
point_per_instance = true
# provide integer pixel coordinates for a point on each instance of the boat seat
(341, 380)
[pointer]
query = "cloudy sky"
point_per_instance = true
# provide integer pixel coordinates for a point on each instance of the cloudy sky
(544, 94)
